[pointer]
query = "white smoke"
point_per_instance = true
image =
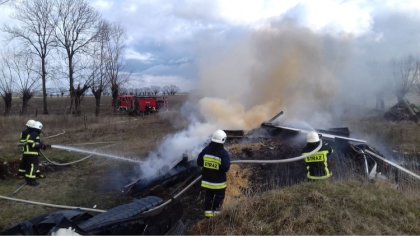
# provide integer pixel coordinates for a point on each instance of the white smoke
(172, 149)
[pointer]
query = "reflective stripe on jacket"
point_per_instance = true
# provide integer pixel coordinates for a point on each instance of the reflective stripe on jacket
(215, 162)
(317, 164)
(32, 144)
(23, 137)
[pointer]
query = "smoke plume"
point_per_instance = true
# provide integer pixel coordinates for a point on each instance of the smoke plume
(281, 68)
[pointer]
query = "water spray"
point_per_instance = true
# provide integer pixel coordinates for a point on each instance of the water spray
(79, 150)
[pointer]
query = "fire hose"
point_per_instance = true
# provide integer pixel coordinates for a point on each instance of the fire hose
(52, 205)
(72, 162)
(199, 177)
(394, 165)
(55, 135)
(235, 162)
(372, 172)
(280, 160)
(176, 195)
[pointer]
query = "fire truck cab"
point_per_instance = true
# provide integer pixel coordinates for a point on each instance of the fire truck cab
(124, 102)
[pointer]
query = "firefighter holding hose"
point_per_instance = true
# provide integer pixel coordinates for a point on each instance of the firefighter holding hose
(215, 162)
(317, 164)
(22, 140)
(31, 148)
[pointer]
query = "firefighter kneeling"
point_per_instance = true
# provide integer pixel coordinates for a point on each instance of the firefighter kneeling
(317, 164)
(215, 162)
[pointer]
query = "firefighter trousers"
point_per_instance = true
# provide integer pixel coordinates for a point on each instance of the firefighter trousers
(22, 167)
(31, 164)
(213, 201)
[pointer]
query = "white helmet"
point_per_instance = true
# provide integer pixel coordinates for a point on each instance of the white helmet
(30, 123)
(219, 136)
(312, 137)
(38, 125)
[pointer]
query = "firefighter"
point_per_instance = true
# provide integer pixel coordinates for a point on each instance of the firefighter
(317, 164)
(215, 162)
(32, 147)
(22, 140)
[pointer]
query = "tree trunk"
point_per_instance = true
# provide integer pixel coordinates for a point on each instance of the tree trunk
(78, 96)
(71, 101)
(44, 86)
(7, 98)
(24, 106)
(114, 90)
(71, 82)
(98, 95)
(77, 102)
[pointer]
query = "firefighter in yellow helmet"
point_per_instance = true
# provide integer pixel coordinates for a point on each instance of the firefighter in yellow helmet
(317, 164)
(215, 162)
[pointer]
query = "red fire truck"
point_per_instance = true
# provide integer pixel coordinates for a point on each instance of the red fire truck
(141, 104)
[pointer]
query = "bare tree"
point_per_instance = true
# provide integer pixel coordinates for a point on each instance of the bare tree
(155, 90)
(6, 85)
(170, 89)
(406, 72)
(62, 91)
(75, 28)
(3, 2)
(22, 67)
(100, 78)
(36, 32)
(165, 90)
(114, 64)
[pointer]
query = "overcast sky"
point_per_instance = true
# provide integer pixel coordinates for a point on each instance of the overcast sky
(167, 38)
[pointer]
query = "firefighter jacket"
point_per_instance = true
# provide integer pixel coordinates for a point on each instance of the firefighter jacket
(32, 143)
(317, 164)
(22, 138)
(215, 162)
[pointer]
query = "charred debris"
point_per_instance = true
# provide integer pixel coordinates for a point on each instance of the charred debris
(403, 110)
(155, 210)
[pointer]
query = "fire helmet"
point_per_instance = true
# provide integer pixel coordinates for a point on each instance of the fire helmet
(312, 137)
(38, 125)
(30, 123)
(219, 136)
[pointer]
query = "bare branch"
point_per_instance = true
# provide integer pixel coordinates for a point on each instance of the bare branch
(35, 31)
(406, 73)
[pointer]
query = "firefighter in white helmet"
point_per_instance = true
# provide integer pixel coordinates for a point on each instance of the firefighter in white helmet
(31, 150)
(22, 140)
(215, 162)
(317, 164)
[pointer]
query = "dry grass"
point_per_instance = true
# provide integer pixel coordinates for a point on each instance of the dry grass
(310, 208)
(96, 181)
(319, 208)
(345, 207)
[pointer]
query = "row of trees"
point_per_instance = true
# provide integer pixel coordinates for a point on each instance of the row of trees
(406, 76)
(61, 39)
(151, 91)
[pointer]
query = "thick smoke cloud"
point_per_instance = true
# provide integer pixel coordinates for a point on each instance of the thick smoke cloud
(284, 67)
(315, 78)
